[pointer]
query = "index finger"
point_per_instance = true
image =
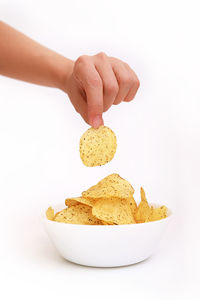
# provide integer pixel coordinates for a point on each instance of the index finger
(93, 87)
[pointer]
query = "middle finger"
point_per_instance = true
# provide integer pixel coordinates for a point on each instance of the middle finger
(110, 84)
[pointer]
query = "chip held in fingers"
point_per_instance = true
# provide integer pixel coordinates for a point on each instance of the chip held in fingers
(97, 146)
(109, 202)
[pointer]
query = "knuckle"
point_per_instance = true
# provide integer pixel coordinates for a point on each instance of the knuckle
(83, 59)
(111, 88)
(126, 80)
(126, 65)
(93, 82)
(137, 83)
(102, 55)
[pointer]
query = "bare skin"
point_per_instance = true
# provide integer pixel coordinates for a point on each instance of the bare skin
(93, 83)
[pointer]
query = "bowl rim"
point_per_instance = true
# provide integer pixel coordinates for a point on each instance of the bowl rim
(169, 211)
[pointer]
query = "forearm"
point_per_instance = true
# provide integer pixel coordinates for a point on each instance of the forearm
(24, 59)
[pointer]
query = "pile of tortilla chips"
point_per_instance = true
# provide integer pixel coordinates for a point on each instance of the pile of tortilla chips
(109, 202)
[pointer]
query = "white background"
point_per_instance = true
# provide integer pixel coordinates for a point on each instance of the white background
(158, 146)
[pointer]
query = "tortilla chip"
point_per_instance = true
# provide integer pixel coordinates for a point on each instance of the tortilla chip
(74, 201)
(112, 186)
(133, 205)
(143, 211)
(106, 223)
(97, 146)
(158, 213)
(113, 210)
(50, 213)
(77, 214)
(71, 201)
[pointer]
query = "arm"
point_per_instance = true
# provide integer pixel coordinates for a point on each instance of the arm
(93, 83)
(25, 59)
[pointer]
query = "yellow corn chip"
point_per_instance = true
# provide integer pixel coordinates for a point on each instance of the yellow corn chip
(143, 211)
(109, 187)
(113, 210)
(133, 205)
(158, 213)
(77, 214)
(109, 202)
(106, 223)
(142, 193)
(73, 201)
(50, 213)
(97, 146)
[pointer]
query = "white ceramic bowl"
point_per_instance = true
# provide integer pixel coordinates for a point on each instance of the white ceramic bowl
(105, 245)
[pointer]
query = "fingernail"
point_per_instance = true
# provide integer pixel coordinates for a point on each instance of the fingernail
(97, 121)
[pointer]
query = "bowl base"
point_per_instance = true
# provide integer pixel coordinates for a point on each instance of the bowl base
(91, 265)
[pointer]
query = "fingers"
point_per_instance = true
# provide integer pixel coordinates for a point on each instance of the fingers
(110, 84)
(91, 82)
(104, 81)
(127, 80)
(79, 104)
(124, 80)
(135, 85)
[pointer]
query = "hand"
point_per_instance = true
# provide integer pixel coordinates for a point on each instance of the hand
(96, 83)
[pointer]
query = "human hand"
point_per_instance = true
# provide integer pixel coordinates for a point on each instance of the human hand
(96, 83)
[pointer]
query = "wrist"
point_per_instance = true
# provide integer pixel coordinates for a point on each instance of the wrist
(60, 69)
(65, 74)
